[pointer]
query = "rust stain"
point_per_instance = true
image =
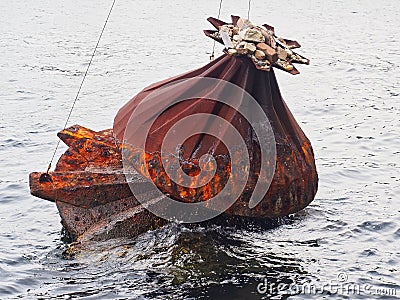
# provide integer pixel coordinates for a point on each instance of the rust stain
(88, 179)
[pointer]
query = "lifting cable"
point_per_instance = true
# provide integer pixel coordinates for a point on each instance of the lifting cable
(248, 11)
(90, 62)
(219, 13)
(80, 87)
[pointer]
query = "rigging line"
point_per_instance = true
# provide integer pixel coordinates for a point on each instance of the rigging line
(248, 11)
(83, 80)
(219, 10)
(219, 14)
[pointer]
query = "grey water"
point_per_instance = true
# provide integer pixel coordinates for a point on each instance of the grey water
(346, 101)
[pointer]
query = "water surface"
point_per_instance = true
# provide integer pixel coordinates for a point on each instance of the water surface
(347, 102)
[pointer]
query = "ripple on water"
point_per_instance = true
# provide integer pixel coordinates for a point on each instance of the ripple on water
(11, 143)
(376, 226)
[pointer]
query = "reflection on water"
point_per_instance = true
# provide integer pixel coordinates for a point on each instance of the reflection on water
(347, 102)
(180, 261)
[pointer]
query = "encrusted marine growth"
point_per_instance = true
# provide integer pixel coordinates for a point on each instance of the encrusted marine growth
(259, 43)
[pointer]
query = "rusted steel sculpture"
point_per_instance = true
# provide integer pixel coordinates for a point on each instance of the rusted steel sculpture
(89, 185)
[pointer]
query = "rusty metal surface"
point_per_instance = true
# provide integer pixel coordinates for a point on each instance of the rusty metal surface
(90, 196)
(126, 215)
(293, 186)
(81, 188)
(128, 222)
(90, 188)
(295, 179)
(88, 149)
